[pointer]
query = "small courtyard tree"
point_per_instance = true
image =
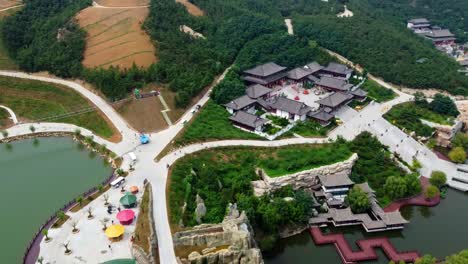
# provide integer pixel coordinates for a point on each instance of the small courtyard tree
(45, 232)
(395, 187)
(106, 199)
(4, 133)
(90, 213)
(431, 192)
(358, 200)
(74, 225)
(32, 128)
(438, 178)
(79, 200)
(457, 155)
(67, 250)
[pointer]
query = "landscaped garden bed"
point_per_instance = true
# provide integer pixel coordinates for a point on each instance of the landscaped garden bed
(408, 116)
(377, 92)
(312, 128)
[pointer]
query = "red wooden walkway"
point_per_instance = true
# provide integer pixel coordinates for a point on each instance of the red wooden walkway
(367, 247)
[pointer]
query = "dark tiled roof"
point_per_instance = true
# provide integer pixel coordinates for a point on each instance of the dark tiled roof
(266, 69)
(298, 73)
(337, 68)
(359, 93)
(418, 21)
(290, 106)
(335, 99)
(265, 80)
(321, 115)
(257, 90)
(264, 103)
(313, 78)
(313, 67)
(335, 180)
(334, 83)
(247, 119)
(240, 103)
(442, 33)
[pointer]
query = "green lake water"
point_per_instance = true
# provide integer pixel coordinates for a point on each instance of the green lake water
(439, 231)
(38, 177)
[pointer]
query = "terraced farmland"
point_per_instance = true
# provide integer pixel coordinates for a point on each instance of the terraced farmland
(9, 3)
(115, 36)
(191, 8)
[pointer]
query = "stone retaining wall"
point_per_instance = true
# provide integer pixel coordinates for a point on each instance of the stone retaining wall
(302, 179)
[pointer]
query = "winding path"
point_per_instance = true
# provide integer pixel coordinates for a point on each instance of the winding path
(11, 113)
(97, 5)
(11, 7)
(370, 119)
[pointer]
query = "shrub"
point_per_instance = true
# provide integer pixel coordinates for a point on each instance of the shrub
(457, 155)
(438, 178)
(431, 192)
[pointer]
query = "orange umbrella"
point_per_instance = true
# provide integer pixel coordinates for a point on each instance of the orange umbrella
(133, 189)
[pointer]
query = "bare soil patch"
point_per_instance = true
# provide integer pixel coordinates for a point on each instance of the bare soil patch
(124, 3)
(143, 114)
(191, 8)
(9, 3)
(115, 37)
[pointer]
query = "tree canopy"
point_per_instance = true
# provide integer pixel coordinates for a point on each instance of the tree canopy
(438, 178)
(358, 200)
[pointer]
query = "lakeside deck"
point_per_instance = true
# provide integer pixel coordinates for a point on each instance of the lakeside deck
(367, 248)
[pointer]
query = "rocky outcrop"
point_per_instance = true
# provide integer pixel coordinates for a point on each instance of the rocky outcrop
(200, 211)
(229, 242)
(444, 133)
(303, 179)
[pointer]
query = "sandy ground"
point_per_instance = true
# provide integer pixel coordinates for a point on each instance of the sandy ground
(115, 37)
(9, 3)
(123, 2)
(191, 8)
(144, 114)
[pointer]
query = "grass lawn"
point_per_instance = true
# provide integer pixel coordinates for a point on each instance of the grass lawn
(312, 128)
(212, 123)
(355, 103)
(408, 115)
(34, 100)
(377, 92)
(279, 121)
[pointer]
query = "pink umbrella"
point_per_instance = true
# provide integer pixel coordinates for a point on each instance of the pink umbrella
(126, 216)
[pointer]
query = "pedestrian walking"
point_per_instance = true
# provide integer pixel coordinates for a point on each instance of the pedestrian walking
(110, 248)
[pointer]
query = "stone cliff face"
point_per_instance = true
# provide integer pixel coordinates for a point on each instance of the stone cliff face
(303, 179)
(229, 242)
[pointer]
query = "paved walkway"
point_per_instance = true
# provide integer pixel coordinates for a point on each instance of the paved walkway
(96, 5)
(12, 114)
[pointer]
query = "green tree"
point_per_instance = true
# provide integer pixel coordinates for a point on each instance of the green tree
(460, 258)
(444, 105)
(4, 133)
(358, 200)
(438, 178)
(61, 215)
(431, 192)
(457, 155)
(426, 259)
(45, 232)
(460, 140)
(413, 185)
(395, 187)
(79, 200)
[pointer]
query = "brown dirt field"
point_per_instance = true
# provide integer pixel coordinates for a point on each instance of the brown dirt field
(123, 3)
(9, 3)
(144, 114)
(115, 37)
(191, 8)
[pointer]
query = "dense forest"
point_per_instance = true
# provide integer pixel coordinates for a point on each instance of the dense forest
(43, 36)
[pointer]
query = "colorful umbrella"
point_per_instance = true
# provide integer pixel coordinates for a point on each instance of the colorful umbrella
(115, 231)
(128, 200)
(133, 189)
(126, 217)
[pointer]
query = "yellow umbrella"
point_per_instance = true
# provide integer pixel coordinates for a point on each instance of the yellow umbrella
(115, 231)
